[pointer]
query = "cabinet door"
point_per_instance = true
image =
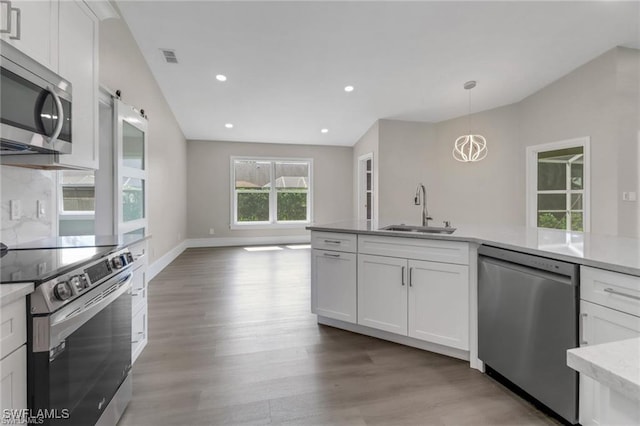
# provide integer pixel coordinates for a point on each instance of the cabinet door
(139, 329)
(600, 325)
(138, 289)
(334, 280)
(78, 64)
(34, 29)
(382, 293)
(439, 303)
(13, 380)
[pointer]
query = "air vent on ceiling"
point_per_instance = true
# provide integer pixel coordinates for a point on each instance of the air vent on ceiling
(170, 56)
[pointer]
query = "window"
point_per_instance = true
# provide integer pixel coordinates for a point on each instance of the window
(77, 192)
(271, 192)
(558, 185)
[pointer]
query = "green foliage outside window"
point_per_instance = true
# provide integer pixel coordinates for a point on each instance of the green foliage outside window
(253, 207)
(559, 221)
(292, 205)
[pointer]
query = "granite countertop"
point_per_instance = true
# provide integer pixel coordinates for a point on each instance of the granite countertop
(12, 292)
(618, 254)
(614, 364)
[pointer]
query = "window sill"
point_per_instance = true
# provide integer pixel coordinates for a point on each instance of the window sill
(265, 226)
(76, 216)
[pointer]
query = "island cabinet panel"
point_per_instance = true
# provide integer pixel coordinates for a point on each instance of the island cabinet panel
(382, 293)
(335, 292)
(439, 303)
(415, 248)
(609, 312)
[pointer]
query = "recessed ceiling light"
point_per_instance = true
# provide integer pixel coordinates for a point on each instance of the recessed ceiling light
(348, 88)
(221, 77)
(324, 130)
(229, 126)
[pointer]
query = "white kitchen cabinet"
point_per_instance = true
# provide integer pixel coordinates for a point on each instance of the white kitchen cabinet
(439, 303)
(34, 28)
(13, 355)
(13, 380)
(335, 295)
(78, 63)
(63, 36)
(139, 304)
(139, 331)
(607, 314)
(382, 293)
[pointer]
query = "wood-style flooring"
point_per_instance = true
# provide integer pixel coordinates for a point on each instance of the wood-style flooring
(232, 341)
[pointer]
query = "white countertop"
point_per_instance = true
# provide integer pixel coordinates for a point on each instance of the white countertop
(614, 364)
(12, 292)
(601, 251)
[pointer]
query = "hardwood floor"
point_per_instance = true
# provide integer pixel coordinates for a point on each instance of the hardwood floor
(232, 341)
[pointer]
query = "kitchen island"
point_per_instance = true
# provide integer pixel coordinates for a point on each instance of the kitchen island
(421, 289)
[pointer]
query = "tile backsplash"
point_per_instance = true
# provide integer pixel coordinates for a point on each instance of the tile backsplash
(28, 186)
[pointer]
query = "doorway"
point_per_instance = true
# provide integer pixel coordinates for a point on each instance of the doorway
(366, 199)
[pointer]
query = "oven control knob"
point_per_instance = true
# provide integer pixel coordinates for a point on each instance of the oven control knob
(129, 258)
(62, 290)
(75, 282)
(117, 262)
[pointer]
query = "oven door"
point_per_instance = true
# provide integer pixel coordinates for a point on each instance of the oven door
(88, 356)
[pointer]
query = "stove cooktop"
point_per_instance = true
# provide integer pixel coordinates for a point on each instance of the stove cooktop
(40, 265)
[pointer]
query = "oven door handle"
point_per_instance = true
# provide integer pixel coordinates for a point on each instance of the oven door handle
(63, 323)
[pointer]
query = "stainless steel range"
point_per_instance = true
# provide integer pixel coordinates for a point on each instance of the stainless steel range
(79, 332)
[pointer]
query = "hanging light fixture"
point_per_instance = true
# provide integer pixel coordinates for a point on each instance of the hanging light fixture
(470, 147)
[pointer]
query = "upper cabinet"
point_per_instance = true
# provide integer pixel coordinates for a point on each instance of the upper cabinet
(62, 35)
(32, 27)
(78, 62)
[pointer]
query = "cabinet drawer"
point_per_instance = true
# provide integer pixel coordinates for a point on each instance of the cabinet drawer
(334, 241)
(610, 289)
(13, 326)
(138, 289)
(415, 248)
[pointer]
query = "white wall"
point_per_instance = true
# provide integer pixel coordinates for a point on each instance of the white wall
(600, 99)
(123, 67)
(407, 151)
(209, 185)
(28, 186)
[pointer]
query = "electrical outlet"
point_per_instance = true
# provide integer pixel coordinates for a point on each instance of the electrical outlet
(212, 231)
(629, 196)
(16, 209)
(40, 210)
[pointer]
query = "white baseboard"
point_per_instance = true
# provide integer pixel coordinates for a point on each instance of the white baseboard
(156, 267)
(247, 241)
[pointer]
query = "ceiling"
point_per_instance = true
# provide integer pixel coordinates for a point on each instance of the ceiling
(287, 63)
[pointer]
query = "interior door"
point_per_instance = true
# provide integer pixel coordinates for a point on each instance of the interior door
(131, 170)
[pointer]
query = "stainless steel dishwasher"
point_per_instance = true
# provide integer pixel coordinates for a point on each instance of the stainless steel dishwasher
(527, 319)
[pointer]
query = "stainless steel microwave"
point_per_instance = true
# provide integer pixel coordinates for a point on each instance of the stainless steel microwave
(35, 106)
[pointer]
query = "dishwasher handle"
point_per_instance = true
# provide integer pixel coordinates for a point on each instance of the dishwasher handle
(559, 278)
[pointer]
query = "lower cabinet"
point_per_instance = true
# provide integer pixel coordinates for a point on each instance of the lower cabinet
(13, 355)
(336, 296)
(420, 299)
(382, 293)
(603, 325)
(139, 306)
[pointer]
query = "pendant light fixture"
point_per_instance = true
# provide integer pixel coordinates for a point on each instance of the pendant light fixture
(470, 147)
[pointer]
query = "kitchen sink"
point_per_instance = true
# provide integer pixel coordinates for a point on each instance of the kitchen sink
(419, 229)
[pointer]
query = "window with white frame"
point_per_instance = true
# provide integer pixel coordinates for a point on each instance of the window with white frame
(77, 192)
(271, 192)
(558, 185)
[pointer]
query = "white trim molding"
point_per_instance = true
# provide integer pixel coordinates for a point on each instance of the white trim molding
(247, 241)
(532, 177)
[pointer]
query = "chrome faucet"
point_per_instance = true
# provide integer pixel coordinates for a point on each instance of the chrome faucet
(421, 198)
